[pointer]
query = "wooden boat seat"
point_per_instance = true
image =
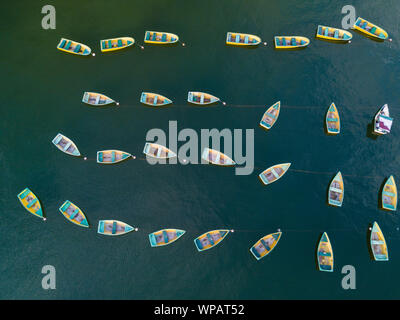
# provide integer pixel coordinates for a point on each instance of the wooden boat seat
(120, 44)
(113, 156)
(65, 206)
(265, 245)
(100, 156)
(332, 119)
(373, 30)
(325, 254)
(30, 204)
(210, 239)
(165, 235)
(164, 38)
(326, 32)
(67, 146)
(147, 35)
(114, 228)
(68, 45)
(155, 99)
(77, 48)
(62, 43)
(246, 39)
(97, 99)
(335, 190)
(377, 242)
(74, 214)
(24, 194)
(255, 252)
(390, 194)
(294, 42)
(274, 173)
(198, 244)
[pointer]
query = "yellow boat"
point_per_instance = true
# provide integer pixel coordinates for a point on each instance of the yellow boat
(290, 42)
(242, 39)
(378, 244)
(210, 239)
(217, 157)
(156, 37)
(332, 120)
(73, 47)
(154, 99)
(112, 156)
(334, 34)
(96, 99)
(370, 29)
(389, 195)
(265, 245)
(325, 254)
(158, 151)
(30, 202)
(201, 98)
(270, 116)
(274, 173)
(164, 237)
(116, 44)
(336, 191)
(74, 214)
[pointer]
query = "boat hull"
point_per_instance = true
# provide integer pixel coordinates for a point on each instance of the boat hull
(165, 237)
(270, 116)
(112, 156)
(332, 120)
(96, 99)
(66, 145)
(265, 245)
(73, 214)
(290, 42)
(157, 151)
(115, 44)
(370, 29)
(378, 244)
(156, 37)
(336, 191)
(113, 228)
(274, 173)
(201, 98)
(210, 239)
(216, 157)
(389, 195)
(333, 34)
(154, 100)
(242, 39)
(30, 202)
(325, 254)
(73, 47)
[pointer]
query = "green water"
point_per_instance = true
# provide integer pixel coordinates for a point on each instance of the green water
(41, 90)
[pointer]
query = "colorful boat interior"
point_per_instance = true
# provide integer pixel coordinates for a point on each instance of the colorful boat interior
(153, 99)
(73, 47)
(115, 44)
(378, 244)
(73, 214)
(30, 202)
(210, 239)
(333, 33)
(370, 29)
(325, 254)
(160, 37)
(240, 38)
(389, 195)
(265, 245)
(291, 42)
(112, 156)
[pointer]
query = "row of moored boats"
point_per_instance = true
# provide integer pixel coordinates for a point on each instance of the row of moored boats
(203, 242)
(232, 38)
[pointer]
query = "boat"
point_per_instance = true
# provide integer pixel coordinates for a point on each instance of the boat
(112, 156)
(156, 37)
(336, 191)
(165, 237)
(116, 44)
(332, 120)
(30, 202)
(210, 239)
(382, 121)
(201, 98)
(274, 173)
(334, 34)
(73, 47)
(242, 39)
(270, 116)
(216, 157)
(154, 99)
(66, 145)
(325, 254)
(113, 227)
(158, 151)
(290, 42)
(389, 195)
(378, 244)
(74, 214)
(265, 245)
(96, 99)
(370, 29)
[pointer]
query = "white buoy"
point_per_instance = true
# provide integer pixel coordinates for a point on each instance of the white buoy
(134, 157)
(232, 230)
(85, 158)
(279, 230)
(44, 219)
(183, 44)
(141, 47)
(136, 229)
(93, 54)
(370, 228)
(224, 103)
(349, 41)
(184, 160)
(265, 43)
(117, 103)
(390, 39)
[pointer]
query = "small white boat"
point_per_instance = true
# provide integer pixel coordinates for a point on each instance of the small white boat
(383, 121)
(66, 145)
(158, 151)
(217, 157)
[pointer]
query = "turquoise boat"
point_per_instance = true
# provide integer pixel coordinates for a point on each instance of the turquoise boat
(165, 237)
(378, 244)
(72, 213)
(113, 228)
(112, 156)
(30, 202)
(325, 254)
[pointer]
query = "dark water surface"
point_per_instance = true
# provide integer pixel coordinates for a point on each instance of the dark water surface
(42, 89)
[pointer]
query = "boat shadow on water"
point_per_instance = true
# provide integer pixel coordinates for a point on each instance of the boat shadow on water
(332, 41)
(368, 238)
(370, 132)
(367, 36)
(380, 206)
(316, 251)
(252, 47)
